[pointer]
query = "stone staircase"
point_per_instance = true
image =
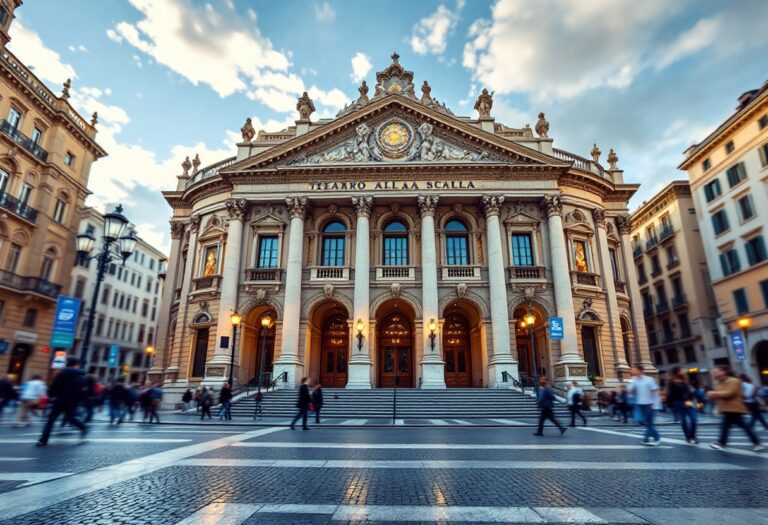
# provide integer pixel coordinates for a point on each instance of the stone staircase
(472, 403)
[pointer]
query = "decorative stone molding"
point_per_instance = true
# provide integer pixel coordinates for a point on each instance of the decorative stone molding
(177, 230)
(363, 205)
(395, 289)
(186, 165)
(427, 204)
(542, 127)
(484, 104)
(328, 290)
(595, 153)
(461, 290)
(248, 131)
(305, 107)
(237, 209)
(552, 205)
(599, 215)
(260, 296)
(491, 204)
(297, 207)
(624, 224)
(194, 222)
(333, 209)
(613, 160)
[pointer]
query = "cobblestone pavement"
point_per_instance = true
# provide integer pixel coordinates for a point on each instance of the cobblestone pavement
(193, 475)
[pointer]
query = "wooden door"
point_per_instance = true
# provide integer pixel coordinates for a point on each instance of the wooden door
(396, 352)
(457, 352)
(333, 355)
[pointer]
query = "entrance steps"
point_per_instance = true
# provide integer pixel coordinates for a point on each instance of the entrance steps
(411, 404)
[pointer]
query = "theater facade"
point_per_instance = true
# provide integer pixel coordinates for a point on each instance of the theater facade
(400, 244)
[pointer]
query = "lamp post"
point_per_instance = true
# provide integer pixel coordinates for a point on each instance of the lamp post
(150, 351)
(235, 318)
(359, 326)
(530, 320)
(115, 245)
(266, 322)
(432, 333)
(744, 323)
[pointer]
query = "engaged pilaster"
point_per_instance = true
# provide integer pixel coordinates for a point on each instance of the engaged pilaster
(360, 363)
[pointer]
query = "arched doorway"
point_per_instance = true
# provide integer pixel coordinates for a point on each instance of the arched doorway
(333, 352)
(396, 351)
(530, 341)
(589, 345)
(18, 362)
(626, 333)
(256, 339)
(457, 352)
(761, 357)
(265, 345)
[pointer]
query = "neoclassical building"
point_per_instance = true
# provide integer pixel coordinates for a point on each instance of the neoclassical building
(400, 243)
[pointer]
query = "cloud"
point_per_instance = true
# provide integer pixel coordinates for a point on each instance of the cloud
(701, 35)
(46, 63)
(361, 66)
(325, 13)
(430, 34)
(78, 49)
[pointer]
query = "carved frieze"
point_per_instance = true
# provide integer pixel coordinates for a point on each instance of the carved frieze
(599, 215)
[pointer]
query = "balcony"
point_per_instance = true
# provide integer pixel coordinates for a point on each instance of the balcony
(651, 243)
(666, 233)
(177, 295)
(648, 311)
(673, 263)
(668, 337)
(210, 282)
(656, 271)
(662, 307)
(679, 301)
(471, 273)
(12, 204)
(585, 279)
(29, 284)
(642, 279)
(621, 287)
(637, 251)
(395, 273)
(22, 140)
(329, 273)
(263, 274)
(652, 339)
(517, 273)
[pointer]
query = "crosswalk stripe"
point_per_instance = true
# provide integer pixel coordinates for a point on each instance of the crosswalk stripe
(432, 446)
(221, 514)
(103, 440)
(511, 422)
(438, 422)
(15, 459)
(399, 422)
(349, 422)
(32, 478)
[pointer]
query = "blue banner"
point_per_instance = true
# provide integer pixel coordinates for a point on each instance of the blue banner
(114, 351)
(556, 327)
(65, 322)
(739, 349)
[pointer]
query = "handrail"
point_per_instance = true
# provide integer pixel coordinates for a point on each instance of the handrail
(283, 376)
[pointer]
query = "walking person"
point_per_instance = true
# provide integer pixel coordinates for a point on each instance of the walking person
(728, 395)
(206, 400)
(317, 401)
(303, 405)
(225, 399)
(118, 397)
(31, 393)
(752, 402)
(66, 392)
(7, 393)
(259, 411)
(680, 398)
(573, 400)
(546, 402)
(646, 393)
(155, 396)
(622, 403)
(187, 398)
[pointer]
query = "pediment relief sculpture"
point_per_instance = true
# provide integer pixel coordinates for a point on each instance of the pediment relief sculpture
(523, 212)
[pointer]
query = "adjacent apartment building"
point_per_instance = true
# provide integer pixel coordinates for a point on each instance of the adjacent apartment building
(678, 305)
(46, 152)
(127, 307)
(728, 171)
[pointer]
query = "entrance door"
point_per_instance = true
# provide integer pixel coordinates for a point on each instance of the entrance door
(265, 343)
(18, 361)
(333, 356)
(396, 351)
(589, 344)
(457, 352)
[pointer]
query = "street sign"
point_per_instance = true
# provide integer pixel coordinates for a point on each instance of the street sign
(114, 350)
(556, 327)
(65, 322)
(737, 342)
(59, 360)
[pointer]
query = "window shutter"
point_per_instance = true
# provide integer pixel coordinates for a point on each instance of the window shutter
(724, 264)
(763, 154)
(751, 255)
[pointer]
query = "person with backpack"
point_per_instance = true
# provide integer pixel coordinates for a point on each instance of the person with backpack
(305, 399)
(206, 401)
(155, 396)
(546, 403)
(118, 397)
(680, 398)
(573, 400)
(752, 400)
(622, 403)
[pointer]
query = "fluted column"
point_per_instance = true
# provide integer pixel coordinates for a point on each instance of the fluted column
(641, 352)
(162, 352)
(432, 364)
(360, 362)
(289, 361)
(502, 359)
(228, 288)
(609, 283)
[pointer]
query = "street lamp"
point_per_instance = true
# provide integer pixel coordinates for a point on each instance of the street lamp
(115, 245)
(359, 326)
(432, 329)
(530, 320)
(266, 322)
(744, 323)
(235, 318)
(150, 350)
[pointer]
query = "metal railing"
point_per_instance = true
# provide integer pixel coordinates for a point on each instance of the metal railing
(210, 171)
(263, 274)
(22, 140)
(679, 301)
(29, 284)
(14, 205)
(461, 272)
(526, 272)
(662, 307)
(651, 243)
(666, 233)
(586, 278)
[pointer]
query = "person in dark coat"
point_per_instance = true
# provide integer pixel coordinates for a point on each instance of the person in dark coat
(303, 404)
(206, 402)
(6, 393)
(317, 401)
(118, 398)
(225, 399)
(546, 405)
(66, 392)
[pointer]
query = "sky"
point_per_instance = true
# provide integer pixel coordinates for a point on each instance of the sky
(171, 78)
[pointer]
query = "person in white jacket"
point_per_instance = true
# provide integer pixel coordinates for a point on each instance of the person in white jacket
(31, 393)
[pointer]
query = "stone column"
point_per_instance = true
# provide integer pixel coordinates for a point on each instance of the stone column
(570, 365)
(502, 359)
(217, 368)
(609, 284)
(432, 364)
(641, 352)
(360, 361)
(289, 353)
(162, 352)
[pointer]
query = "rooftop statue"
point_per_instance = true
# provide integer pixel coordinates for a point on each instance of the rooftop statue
(248, 131)
(484, 104)
(542, 127)
(305, 107)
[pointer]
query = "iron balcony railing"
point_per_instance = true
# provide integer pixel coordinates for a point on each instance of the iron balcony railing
(662, 307)
(29, 284)
(651, 243)
(22, 140)
(526, 272)
(14, 205)
(666, 233)
(679, 301)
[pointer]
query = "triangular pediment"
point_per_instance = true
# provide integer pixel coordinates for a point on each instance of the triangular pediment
(395, 130)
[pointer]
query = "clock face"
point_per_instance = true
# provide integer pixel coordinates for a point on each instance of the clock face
(394, 137)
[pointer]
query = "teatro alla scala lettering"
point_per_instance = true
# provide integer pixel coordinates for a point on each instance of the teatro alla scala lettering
(400, 244)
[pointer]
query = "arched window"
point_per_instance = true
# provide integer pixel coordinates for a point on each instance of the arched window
(456, 243)
(4, 180)
(46, 269)
(333, 244)
(395, 244)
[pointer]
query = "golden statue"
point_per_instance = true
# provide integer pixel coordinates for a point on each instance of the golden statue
(210, 262)
(581, 257)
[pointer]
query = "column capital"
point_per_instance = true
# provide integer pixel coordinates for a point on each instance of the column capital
(599, 215)
(237, 209)
(491, 204)
(194, 222)
(363, 205)
(624, 224)
(427, 204)
(297, 207)
(552, 205)
(177, 229)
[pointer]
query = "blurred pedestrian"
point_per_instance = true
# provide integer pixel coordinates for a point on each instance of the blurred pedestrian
(646, 393)
(259, 411)
(206, 401)
(317, 401)
(187, 398)
(155, 396)
(680, 397)
(303, 405)
(546, 402)
(225, 399)
(118, 398)
(752, 401)
(67, 392)
(573, 400)
(31, 393)
(196, 398)
(622, 403)
(7, 393)
(728, 395)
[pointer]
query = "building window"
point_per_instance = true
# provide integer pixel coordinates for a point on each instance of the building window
(80, 288)
(580, 260)
(706, 164)
(661, 294)
(655, 265)
(105, 295)
(641, 273)
(720, 222)
(746, 207)
(4, 177)
(740, 299)
(395, 244)
(145, 308)
(763, 150)
(149, 285)
(677, 288)
(59, 211)
(456, 243)
(729, 262)
(14, 117)
(99, 325)
(690, 354)
(671, 255)
(24, 195)
(30, 318)
(729, 147)
(4, 16)
(69, 159)
(614, 264)
(712, 190)
(37, 136)
(333, 244)
(755, 248)
(267, 257)
(671, 355)
(210, 260)
(736, 174)
(14, 254)
(763, 122)
(522, 250)
(763, 289)
(685, 326)
(657, 360)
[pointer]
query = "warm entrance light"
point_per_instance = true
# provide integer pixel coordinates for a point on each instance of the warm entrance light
(149, 350)
(266, 321)
(432, 326)
(359, 326)
(530, 319)
(744, 322)
(236, 318)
